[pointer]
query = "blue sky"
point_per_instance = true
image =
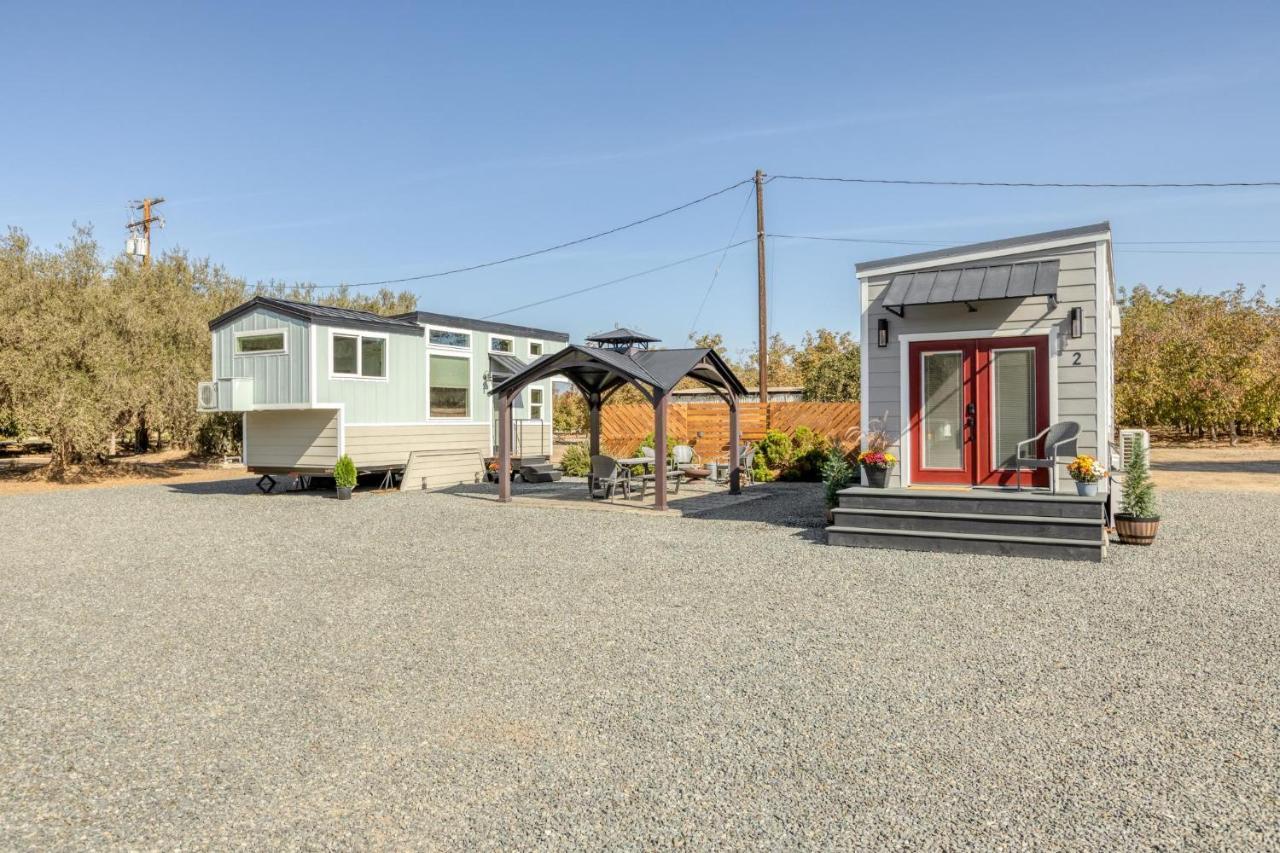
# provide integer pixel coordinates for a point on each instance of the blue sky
(338, 142)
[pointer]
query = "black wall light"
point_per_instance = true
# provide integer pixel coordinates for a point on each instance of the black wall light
(1077, 322)
(882, 332)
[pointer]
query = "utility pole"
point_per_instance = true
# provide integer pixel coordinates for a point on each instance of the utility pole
(762, 311)
(139, 242)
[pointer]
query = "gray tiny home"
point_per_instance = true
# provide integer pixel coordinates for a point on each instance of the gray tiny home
(404, 394)
(966, 352)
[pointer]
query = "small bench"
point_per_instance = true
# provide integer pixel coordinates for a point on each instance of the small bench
(673, 479)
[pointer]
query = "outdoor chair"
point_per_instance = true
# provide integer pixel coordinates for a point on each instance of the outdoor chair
(685, 459)
(607, 477)
(1059, 443)
(747, 458)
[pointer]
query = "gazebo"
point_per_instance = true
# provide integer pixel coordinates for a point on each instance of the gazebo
(621, 357)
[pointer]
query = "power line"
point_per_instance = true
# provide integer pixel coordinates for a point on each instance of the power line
(582, 290)
(1051, 184)
(537, 252)
(1121, 246)
(716, 273)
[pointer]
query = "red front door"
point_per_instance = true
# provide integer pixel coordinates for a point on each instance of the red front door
(972, 401)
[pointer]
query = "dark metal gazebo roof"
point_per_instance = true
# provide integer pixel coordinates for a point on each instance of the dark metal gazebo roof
(621, 337)
(600, 371)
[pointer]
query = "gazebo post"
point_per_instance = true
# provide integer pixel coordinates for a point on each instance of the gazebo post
(660, 452)
(593, 434)
(735, 457)
(504, 447)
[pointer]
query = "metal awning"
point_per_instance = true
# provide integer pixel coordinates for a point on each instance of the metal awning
(503, 366)
(973, 284)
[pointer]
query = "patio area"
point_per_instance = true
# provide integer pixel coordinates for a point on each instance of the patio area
(692, 498)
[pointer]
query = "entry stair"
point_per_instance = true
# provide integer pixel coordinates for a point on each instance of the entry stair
(538, 469)
(974, 521)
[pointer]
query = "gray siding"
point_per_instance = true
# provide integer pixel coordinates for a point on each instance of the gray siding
(1077, 381)
(278, 380)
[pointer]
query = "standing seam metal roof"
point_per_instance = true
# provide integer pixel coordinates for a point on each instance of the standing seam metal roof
(973, 284)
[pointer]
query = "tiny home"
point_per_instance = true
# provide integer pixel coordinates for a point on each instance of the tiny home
(969, 355)
(313, 382)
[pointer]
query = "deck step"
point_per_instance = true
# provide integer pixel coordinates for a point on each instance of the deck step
(1036, 526)
(1052, 548)
(976, 502)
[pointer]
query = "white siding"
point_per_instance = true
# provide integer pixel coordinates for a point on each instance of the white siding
(391, 445)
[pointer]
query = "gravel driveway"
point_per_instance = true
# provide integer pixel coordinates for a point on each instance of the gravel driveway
(204, 667)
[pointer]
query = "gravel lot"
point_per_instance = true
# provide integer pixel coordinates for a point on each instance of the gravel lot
(200, 666)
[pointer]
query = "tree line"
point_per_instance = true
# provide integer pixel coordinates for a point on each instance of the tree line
(98, 351)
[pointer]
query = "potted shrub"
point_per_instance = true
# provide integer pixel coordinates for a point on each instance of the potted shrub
(837, 474)
(876, 465)
(344, 477)
(1086, 471)
(1137, 521)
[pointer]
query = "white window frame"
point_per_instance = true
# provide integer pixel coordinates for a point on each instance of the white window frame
(507, 338)
(357, 377)
(254, 333)
(541, 345)
(529, 404)
(453, 352)
(471, 336)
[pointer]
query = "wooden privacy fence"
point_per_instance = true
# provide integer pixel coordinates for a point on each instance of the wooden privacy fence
(705, 426)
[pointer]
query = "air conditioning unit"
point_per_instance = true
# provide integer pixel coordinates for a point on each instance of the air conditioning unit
(225, 395)
(1130, 439)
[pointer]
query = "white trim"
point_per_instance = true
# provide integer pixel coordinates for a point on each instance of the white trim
(255, 333)
(244, 438)
(459, 354)
(312, 378)
(213, 356)
(529, 404)
(529, 348)
(342, 432)
(493, 337)
(1102, 354)
(904, 379)
(357, 377)
(470, 333)
(966, 257)
(864, 380)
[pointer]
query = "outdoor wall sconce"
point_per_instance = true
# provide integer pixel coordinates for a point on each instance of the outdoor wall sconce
(882, 332)
(1077, 322)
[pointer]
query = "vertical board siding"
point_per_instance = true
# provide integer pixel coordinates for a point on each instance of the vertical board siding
(278, 380)
(1077, 381)
(400, 398)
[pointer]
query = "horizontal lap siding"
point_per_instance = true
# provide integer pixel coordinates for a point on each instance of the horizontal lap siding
(391, 445)
(439, 469)
(306, 439)
(1077, 397)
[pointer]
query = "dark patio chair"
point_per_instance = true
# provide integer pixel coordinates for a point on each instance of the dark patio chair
(1059, 443)
(608, 477)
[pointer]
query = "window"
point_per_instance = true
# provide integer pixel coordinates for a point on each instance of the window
(449, 338)
(450, 391)
(535, 403)
(502, 345)
(259, 343)
(535, 349)
(359, 356)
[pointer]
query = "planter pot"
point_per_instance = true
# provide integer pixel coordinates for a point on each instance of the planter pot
(875, 476)
(1133, 530)
(831, 515)
(1087, 490)
(344, 493)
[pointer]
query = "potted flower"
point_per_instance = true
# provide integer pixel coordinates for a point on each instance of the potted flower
(1137, 521)
(837, 474)
(344, 477)
(1086, 471)
(876, 465)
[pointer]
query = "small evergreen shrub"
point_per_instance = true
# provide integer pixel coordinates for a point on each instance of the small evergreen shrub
(760, 472)
(1139, 492)
(776, 448)
(837, 474)
(576, 461)
(344, 473)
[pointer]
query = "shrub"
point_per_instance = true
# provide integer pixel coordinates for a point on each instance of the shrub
(218, 435)
(837, 474)
(760, 472)
(344, 473)
(576, 461)
(1139, 492)
(806, 467)
(776, 448)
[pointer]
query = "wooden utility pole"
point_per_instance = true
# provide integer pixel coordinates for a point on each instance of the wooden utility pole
(763, 306)
(142, 227)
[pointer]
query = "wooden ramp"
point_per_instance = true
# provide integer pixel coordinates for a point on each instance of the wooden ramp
(439, 469)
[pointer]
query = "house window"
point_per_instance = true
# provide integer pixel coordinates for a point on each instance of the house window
(535, 403)
(502, 345)
(450, 390)
(535, 349)
(359, 356)
(264, 343)
(449, 338)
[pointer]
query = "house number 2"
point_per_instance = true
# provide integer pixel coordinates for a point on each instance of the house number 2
(1075, 358)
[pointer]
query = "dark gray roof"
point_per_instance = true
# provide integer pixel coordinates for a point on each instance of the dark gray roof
(502, 366)
(1011, 243)
(972, 284)
(622, 336)
(599, 371)
(432, 319)
(326, 314)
